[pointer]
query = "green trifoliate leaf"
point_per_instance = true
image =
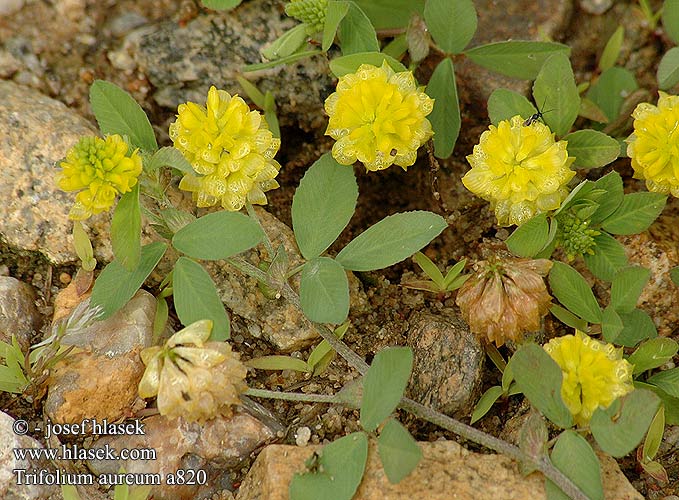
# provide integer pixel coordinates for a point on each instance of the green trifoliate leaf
(668, 69)
(530, 237)
(323, 205)
(504, 104)
(390, 14)
(445, 117)
(591, 149)
(218, 235)
(573, 456)
(384, 384)
(609, 92)
(652, 354)
(169, 157)
(116, 285)
(399, 452)
(539, 378)
(356, 33)
(555, 90)
(636, 212)
(336, 470)
(516, 58)
(667, 380)
(393, 239)
(196, 298)
(620, 428)
(126, 230)
(572, 290)
(324, 291)
(442, 15)
(670, 19)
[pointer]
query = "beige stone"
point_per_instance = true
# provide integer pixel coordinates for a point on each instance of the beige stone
(447, 471)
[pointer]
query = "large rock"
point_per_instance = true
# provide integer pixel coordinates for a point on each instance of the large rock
(448, 364)
(37, 132)
(656, 250)
(18, 315)
(100, 380)
(214, 447)
(212, 49)
(446, 471)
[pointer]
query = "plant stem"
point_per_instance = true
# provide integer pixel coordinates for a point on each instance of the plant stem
(470, 433)
(293, 396)
(267, 240)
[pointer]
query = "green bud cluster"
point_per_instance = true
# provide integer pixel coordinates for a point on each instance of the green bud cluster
(575, 236)
(310, 12)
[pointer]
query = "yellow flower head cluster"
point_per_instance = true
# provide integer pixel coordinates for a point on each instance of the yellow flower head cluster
(594, 374)
(378, 117)
(193, 378)
(230, 147)
(520, 169)
(100, 169)
(654, 145)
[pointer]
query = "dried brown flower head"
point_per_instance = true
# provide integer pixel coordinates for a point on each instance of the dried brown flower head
(505, 298)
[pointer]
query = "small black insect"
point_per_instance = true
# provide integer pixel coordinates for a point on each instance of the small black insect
(537, 116)
(313, 463)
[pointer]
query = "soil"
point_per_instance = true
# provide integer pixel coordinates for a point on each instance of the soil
(73, 53)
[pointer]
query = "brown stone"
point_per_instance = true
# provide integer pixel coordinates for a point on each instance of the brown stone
(446, 471)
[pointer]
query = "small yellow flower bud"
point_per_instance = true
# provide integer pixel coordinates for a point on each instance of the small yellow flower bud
(100, 169)
(594, 374)
(654, 145)
(231, 149)
(520, 169)
(378, 117)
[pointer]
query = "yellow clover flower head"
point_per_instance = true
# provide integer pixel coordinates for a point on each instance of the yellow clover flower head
(520, 169)
(378, 117)
(594, 374)
(654, 145)
(100, 169)
(231, 149)
(193, 378)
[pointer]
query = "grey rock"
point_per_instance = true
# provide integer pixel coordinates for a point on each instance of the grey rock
(18, 314)
(448, 364)
(9, 487)
(596, 6)
(9, 7)
(215, 447)
(36, 132)
(124, 23)
(212, 49)
(100, 381)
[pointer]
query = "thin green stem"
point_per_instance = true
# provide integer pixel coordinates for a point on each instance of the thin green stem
(267, 241)
(294, 271)
(293, 396)
(470, 433)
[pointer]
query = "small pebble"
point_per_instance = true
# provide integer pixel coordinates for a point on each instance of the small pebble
(302, 436)
(4, 270)
(64, 278)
